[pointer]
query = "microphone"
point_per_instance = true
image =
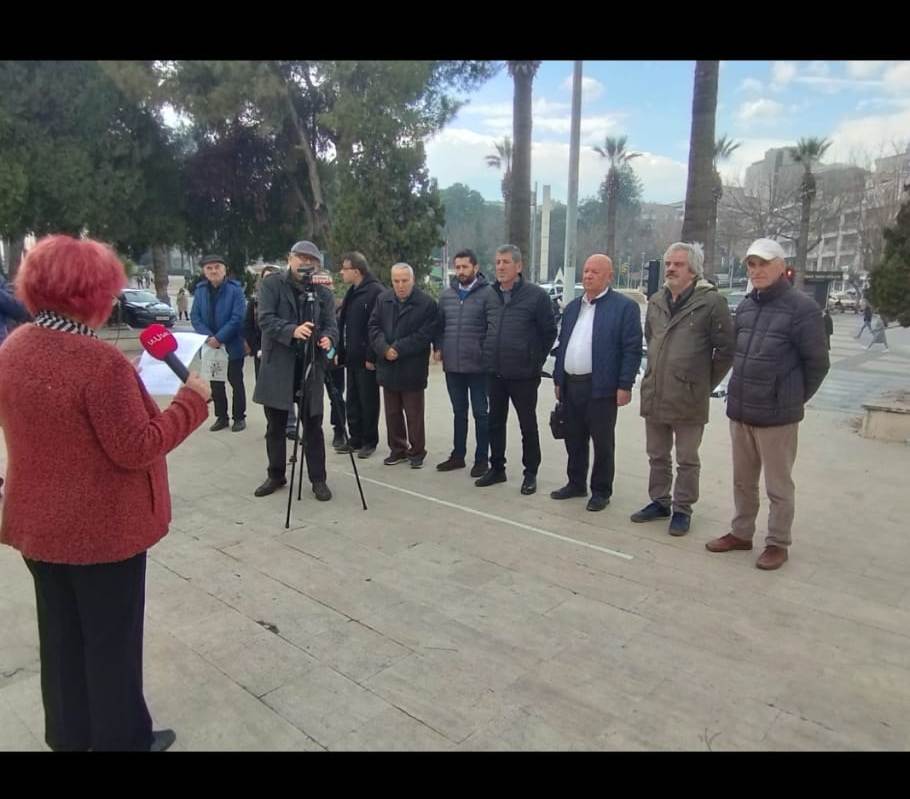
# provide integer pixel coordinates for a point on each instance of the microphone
(160, 343)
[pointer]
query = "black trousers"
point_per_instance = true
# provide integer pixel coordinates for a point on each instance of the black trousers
(238, 400)
(362, 405)
(337, 378)
(276, 444)
(90, 626)
(589, 419)
(523, 394)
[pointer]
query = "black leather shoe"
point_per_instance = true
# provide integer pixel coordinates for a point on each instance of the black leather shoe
(321, 490)
(650, 512)
(344, 449)
(597, 502)
(365, 452)
(679, 524)
(529, 485)
(451, 464)
(491, 477)
(568, 491)
(270, 486)
(290, 434)
(162, 740)
(239, 424)
(337, 440)
(479, 468)
(220, 424)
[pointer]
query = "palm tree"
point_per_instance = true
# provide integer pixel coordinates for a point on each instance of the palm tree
(806, 152)
(519, 226)
(723, 149)
(700, 182)
(614, 150)
(503, 160)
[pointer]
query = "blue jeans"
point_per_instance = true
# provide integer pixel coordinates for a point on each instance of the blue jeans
(459, 385)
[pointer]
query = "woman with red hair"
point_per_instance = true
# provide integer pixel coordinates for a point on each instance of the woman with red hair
(86, 492)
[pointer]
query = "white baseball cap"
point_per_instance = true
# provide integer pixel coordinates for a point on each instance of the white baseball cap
(766, 249)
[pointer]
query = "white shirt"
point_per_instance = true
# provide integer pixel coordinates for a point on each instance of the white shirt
(578, 350)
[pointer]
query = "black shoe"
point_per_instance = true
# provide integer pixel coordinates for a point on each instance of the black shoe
(239, 424)
(679, 524)
(321, 490)
(220, 424)
(344, 449)
(451, 464)
(394, 458)
(650, 512)
(338, 440)
(490, 477)
(568, 491)
(479, 468)
(290, 434)
(270, 485)
(529, 485)
(365, 452)
(162, 740)
(597, 502)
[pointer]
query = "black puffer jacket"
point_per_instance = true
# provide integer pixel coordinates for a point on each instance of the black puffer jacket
(780, 356)
(520, 334)
(354, 321)
(409, 327)
(463, 326)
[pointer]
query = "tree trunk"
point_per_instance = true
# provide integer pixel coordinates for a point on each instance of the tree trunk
(711, 241)
(520, 210)
(612, 193)
(319, 211)
(14, 250)
(802, 244)
(507, 205)
(159, 268)
(700, 181)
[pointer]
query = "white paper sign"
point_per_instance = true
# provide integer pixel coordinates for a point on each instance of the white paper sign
(157, 376)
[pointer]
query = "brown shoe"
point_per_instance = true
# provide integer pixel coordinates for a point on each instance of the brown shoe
(727, 542)
(772, 558)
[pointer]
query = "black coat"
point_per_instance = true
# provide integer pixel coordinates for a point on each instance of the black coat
(780, 357)
(354, 320)
(409, 327)
(520, 335)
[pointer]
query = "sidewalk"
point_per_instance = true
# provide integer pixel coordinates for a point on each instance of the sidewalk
(452, 617)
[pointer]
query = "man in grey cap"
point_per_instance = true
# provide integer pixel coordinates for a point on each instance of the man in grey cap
(780, 359)
(288, 319)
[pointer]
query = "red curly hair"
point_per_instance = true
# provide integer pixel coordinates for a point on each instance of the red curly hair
(73, 277)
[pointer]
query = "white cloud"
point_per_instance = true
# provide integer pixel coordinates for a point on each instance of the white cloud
(834, 85)
(819, 68)
(751, 85)
(897, 77)
(591, 88)
(762, 110)
(782, 72)
(749, 151)
(864, 69)
(874, 135)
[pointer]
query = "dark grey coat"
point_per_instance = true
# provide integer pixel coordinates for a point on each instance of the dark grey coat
(410, 328)
(463, 326)
(278, 316)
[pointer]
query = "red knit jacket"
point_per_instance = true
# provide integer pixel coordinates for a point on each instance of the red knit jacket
(86, 479)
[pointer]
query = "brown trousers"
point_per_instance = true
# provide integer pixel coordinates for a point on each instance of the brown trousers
(659, 442)
(774, 450)
(398, 406)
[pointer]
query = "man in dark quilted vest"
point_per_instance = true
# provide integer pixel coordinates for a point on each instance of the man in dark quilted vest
(779, 362)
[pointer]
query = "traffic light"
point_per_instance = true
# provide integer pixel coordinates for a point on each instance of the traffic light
(790, 273)
(653, 278)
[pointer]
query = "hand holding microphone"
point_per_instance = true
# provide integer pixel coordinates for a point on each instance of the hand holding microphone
(160, 343)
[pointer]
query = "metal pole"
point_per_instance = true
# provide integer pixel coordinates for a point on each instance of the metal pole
(572, 205)
(534, 271)
(545, 235)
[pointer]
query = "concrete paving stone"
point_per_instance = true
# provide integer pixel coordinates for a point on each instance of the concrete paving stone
(522, 729)
(209, 633)
(596, 618)
(393, 730)
(794, 733)
(870, 589)
(326, 705)
(22, 711)
(338, 550)
(171, 597)
(354, 650)
(15, 736)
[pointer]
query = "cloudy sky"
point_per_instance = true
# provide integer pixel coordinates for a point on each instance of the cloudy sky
(862, 106)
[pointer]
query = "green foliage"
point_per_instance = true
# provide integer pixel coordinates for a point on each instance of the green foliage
(889, 287)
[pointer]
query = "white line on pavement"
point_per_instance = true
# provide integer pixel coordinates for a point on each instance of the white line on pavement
(500, 519)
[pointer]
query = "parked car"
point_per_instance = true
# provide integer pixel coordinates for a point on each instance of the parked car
(138, 308)
(734, 298)
(844, 301)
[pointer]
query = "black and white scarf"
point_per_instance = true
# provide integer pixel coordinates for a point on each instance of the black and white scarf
(64, 324)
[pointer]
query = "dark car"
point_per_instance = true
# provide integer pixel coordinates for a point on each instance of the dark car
(734, 298)
(139, 309)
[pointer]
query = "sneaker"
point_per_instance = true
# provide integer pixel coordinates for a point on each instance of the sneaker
(479, 468)
(568, 491)
(321, 490)
(451, 464)
(220, 424)
(490, 477)
(726, 543)
(239, 424)
(772, 558)
(650, 512)
(679, 524)
(394, 458)
(365, 452)
(416, 461)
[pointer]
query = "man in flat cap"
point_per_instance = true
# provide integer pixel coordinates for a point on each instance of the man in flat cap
(292, 309)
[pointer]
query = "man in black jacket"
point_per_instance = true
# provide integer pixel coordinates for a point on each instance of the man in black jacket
(465, 309)
(402, 327)
(780, 360)
(519, 337)
(362, 402)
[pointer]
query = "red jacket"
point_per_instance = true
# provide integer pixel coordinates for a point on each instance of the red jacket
(86, 479)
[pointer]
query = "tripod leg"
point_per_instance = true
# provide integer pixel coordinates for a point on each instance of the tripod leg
(293, 462)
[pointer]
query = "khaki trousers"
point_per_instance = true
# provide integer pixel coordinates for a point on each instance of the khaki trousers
(659, 442)
(774, 450)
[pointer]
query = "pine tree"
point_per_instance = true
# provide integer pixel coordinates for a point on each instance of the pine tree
(889, 289)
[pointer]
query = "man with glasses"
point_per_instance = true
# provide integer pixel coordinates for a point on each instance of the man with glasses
(287, 321)
(780, 360)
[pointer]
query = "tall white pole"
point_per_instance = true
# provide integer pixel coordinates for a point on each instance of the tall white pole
(533, 270)
(545, 235)
(572, 206)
